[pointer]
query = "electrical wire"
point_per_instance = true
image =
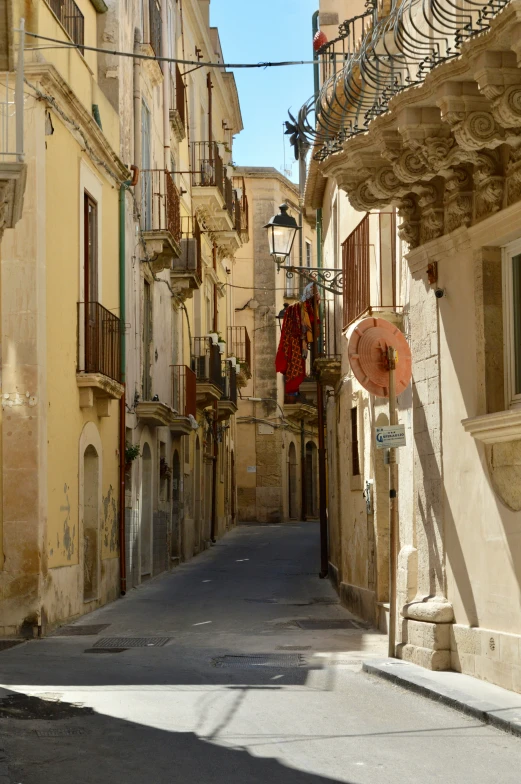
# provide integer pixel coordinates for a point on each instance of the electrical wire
(179, 61)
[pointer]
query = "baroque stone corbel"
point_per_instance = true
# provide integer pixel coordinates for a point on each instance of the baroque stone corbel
(430, 202)
(409, 228)
(458, 199)
(489, 184)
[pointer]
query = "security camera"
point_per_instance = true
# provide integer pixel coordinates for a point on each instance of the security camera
(439, 293)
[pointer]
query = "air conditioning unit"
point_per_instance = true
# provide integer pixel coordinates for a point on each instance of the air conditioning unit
(188, 258)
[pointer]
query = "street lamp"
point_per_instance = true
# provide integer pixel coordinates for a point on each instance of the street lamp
(282, 230)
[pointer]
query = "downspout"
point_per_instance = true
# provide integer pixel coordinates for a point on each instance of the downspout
(166, 86)
(319, 333)
(123, 359)
(213, 529)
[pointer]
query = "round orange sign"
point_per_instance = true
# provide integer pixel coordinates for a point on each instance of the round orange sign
(367, 353)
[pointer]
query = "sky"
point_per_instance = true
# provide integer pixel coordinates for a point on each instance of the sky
(253, 31)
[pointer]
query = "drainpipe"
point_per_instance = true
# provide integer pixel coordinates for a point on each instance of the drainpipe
(213, 528)
(319, 336)
(166, 85)
(123, 351)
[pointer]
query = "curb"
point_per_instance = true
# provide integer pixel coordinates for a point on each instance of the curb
(497, 707)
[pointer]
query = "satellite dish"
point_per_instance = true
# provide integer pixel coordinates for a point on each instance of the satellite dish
(367, 352)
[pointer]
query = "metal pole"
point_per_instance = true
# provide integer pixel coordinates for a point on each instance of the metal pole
(19, 95)
(393, 505)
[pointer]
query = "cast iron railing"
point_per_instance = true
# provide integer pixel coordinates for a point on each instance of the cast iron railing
(71, 18)
(184, 390)
(191, 257)
(161, 203)
(99, 348)
(207, 166)
(239, 345)
(206, 361)
(241, 198)
(229, 197)
(229, 382)
(155, 27)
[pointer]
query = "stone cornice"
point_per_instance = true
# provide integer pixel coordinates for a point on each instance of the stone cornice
(447, 153)
(50, 82)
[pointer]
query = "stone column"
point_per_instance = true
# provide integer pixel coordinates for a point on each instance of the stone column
(428, 616)
(23, 388)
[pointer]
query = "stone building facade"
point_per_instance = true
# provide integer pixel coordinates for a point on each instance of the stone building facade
(277, 477)
(443, 155)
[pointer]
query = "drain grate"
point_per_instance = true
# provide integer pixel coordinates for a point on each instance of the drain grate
(81, 631)
(320, 624)
(132, 642)
(104, 650)
(6, 644)
(62, 732)
(267, 660)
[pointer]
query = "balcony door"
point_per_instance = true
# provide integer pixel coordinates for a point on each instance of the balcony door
(91, 280)
(146, 174)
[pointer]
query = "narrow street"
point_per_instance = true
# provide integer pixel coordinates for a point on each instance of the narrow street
(181, 711)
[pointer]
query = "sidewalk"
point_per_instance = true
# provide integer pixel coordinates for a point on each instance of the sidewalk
(488, 703)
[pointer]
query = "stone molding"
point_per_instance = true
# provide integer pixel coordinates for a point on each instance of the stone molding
(447, 153)
(495, 428)
(12, 186)
(50, 82)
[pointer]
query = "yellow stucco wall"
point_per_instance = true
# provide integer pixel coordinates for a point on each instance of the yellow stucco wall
(65, 417)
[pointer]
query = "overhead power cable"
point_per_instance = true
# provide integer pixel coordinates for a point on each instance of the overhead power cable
(179, 61)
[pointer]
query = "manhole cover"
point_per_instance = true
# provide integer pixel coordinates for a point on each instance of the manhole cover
(6, 644)
(272, 660)
(319, 624)
(81, 631)
(132, 642)
(104, 650)
(62, 732)
(261, 601)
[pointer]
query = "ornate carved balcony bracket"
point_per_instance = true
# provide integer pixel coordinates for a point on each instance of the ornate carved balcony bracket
(447, 153)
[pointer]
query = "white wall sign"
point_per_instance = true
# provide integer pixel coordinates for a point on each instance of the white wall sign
(390, 436)
(251, 470)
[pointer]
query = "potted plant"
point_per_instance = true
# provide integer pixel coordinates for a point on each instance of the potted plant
(132, 451)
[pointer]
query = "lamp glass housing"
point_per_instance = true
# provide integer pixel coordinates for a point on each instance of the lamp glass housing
(282, 230)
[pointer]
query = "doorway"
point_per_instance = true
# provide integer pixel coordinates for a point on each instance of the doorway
(146, 512)
(311, 479)
(177, 527)
(90, 524)
(292, 481)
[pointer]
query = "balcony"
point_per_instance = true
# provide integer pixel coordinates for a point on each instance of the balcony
(300, 408)
(212, 193)
(71, 19)
(160, 217)
(227, 405)
(206, 364)
(239, 346)
(184, 404)
(177, 104)
(242, 214)
(186, 272)
(13, 171)
(152, 43)
(99, 357)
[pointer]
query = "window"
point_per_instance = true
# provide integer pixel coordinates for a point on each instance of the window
(512, 322)
(309, 254)
(70, 18)
(355, 459)
(147, 341)
(91, 248)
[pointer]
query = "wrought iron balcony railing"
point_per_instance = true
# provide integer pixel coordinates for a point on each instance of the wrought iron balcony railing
(239, 345)
(207, 166)
(155, 26)
(160, 203)
(184, 390)
(70, 18)
(376, 56)
(206, 361)
(99, 347)
(229, 197)
(229, 383)
(242, 216)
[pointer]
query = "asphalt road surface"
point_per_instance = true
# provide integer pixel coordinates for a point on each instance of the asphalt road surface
(255, 679)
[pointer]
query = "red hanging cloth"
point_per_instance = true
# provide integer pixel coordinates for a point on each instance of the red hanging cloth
(289, 360)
